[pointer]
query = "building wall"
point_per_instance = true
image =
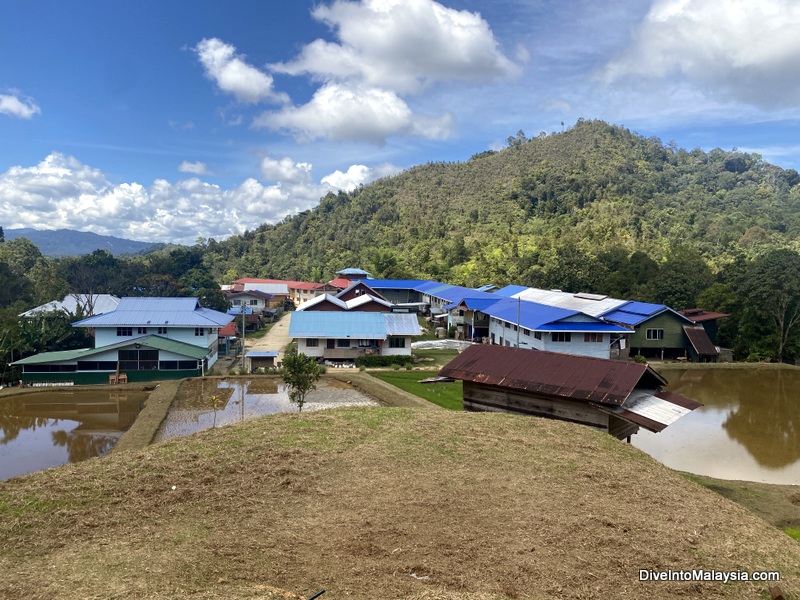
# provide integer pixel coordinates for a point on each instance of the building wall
(674, 342)
(304, 348)
(105, 336)
(527, 339)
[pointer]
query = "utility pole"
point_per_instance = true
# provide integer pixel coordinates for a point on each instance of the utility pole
(243, 326)
(519, 308)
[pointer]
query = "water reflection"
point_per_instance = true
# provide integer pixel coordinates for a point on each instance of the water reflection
(748, 428)
(204, 404)
(45, 429)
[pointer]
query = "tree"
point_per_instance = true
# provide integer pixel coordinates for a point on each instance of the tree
(771, 292)
(300, 374)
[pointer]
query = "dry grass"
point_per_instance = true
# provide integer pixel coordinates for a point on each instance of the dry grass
(378, 503)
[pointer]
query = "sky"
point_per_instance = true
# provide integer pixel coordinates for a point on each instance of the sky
(174, 121)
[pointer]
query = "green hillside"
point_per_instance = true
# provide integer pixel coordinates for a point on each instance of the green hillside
(559, 210)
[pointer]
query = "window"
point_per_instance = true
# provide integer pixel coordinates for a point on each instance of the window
(561, 336)
(655, 334)
(526, 331)
(592, 337)
(537, 335)
(198, 331)
(507, 325)
(397, 342)
(342, 343)
(237, 302)
(124, 331)
(312, 343)
(162, 331)
(141, 330)
(253, 302)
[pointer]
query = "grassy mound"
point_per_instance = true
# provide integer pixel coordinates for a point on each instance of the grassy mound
(379, 503)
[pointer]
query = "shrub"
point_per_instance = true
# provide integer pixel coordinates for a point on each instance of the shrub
(640, 359)
(370, 362)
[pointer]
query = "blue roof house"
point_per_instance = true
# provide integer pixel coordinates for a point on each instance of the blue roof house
(144, 338)
(345, 336)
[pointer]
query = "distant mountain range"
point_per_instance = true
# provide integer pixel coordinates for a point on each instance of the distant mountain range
(68, 242)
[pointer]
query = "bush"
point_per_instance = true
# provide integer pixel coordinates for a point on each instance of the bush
(640, 359)
(371, 362)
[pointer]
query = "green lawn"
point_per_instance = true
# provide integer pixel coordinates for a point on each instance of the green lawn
(433, 358)
(446, 395)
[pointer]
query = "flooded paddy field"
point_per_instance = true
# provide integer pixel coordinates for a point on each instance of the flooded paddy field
(45, 429)
(206, 403)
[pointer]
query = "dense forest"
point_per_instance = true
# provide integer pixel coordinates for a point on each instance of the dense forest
(595, 208)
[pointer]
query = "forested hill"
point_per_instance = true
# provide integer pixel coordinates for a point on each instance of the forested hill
(563, 210)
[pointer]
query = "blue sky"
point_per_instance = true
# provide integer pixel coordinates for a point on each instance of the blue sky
(168, 121)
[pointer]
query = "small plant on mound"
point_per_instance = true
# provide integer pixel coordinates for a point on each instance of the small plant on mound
(300, 373)
(640, 359)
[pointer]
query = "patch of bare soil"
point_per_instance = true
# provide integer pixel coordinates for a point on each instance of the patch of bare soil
(379, 503)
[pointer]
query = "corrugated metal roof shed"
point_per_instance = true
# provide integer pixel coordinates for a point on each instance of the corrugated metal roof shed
(175, 312)
(562, 375)
(700, 341)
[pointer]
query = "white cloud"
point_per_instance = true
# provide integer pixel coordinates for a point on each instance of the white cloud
(340, 112)
(402, 45)
(734, 49)
(15, 107)
(62, 192)
(357, 175)
(195, 168)
(233, 75)
(285, 169)
(385, 50)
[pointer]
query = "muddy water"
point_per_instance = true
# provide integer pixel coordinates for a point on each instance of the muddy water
(204, 404)
(749, 428)
(46, 429)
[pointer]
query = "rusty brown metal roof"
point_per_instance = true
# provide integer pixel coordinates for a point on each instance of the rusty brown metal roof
(563, 375)
(700, 341)
(698, 315)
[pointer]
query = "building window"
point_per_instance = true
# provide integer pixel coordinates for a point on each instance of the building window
(397, 342)
(199, 331)
(312, 343)
(537, 335)
(342, 343)
(592, 337)
(561, 336)
(655, 334)
(253, 302)
(162, 331)
(237, 302)
(124, 331)
(507, 325)
(141, 330)
(526, 331)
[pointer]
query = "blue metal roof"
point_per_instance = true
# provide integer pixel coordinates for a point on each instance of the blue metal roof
(642, 308)
(531, 315)
(510, 290)
(580, 326)
(352, 272)
(262, 353)
(175, 312)
(620, 316)
(355, 325)
(237, 310)
(395, 284)
(480, 304)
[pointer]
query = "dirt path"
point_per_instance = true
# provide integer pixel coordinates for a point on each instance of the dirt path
(277, 338)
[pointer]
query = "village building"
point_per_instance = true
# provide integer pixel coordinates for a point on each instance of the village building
(143, 339)
(347, 335)
(656, 330)
(76, 305)
(613, 396)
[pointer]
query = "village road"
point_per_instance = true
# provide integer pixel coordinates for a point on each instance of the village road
(277, 338)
